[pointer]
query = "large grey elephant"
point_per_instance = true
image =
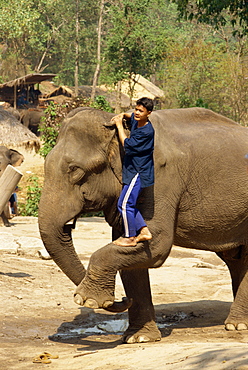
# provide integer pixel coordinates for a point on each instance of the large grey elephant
(199, 200)
(14, 158)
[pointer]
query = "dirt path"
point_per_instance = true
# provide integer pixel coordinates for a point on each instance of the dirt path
(191, 293)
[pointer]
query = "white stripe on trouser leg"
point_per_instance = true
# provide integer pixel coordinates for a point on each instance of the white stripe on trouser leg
(124, 204)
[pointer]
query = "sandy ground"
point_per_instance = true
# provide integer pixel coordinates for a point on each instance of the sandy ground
(191, 293)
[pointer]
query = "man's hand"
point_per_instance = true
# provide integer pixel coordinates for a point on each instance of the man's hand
(117, 120)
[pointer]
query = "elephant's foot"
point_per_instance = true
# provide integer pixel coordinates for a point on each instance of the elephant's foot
(87, 296)
(147, 333)
(94, 293)
(238, 316)
(241, 324)
(111, 306)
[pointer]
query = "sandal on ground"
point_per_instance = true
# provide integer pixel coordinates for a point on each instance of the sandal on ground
(44, 358)
(41, 359)
(48, 355)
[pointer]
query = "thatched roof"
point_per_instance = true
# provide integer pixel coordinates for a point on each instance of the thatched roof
(30, 79)
(143, 87)
(60, 90)
(12, 132)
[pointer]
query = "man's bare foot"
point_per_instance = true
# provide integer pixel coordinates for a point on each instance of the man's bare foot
(144, 235)
(126, 242)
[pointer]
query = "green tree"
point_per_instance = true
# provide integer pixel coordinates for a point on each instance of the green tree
(135, 42)
(18, 28)
(217, 12)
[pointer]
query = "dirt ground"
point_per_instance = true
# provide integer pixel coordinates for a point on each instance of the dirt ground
(191, 293)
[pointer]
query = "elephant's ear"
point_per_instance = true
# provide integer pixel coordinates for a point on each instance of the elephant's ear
(115, 156)
(16, 158)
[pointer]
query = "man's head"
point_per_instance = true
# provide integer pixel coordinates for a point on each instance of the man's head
(146, 102)
(143, 109)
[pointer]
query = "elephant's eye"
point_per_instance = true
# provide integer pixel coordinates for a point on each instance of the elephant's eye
(75, 174)
(72, 168)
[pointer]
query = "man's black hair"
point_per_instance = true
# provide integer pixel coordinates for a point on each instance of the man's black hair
(146, 102)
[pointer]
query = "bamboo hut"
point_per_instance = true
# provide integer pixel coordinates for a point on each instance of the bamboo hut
(9, 90)
(13, 133)
(143, 87)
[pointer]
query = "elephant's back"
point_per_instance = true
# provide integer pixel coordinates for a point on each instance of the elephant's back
(187, 126)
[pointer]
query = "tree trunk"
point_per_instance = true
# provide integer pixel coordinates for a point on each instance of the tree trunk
(97, 71)
(118, 98)
(77, 49)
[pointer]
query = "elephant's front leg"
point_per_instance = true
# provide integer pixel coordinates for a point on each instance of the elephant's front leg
(94, 291)
(97, 288)
(142, 326)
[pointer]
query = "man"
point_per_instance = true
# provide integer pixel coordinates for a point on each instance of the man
(138, 170)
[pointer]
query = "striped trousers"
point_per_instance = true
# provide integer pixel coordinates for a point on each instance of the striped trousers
(132, 218)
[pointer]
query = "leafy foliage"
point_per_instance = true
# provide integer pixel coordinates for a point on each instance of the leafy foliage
(100, 102)
(49, 129)
(55, 114)
(194, 62)
(217, 13)
(136, 40)
(30, 208)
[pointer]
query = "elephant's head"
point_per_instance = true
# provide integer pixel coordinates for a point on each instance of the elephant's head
(9, 156)
(82, 174)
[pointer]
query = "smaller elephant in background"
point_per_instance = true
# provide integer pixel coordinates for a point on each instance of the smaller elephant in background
(31, 118)
(15, 159)
(6, 106)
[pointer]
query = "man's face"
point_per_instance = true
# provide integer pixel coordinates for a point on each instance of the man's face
(141, 113)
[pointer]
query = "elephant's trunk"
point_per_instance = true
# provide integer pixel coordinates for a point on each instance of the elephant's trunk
(58, 242)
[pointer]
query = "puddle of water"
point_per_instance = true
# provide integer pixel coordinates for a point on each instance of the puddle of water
(110, 327)
(118, 326)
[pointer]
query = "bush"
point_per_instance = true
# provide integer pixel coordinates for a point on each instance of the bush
(49, 129)
(100, 102)
(30, 208)
(55, 114)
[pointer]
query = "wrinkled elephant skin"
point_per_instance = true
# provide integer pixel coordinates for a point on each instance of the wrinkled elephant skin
(199, 200)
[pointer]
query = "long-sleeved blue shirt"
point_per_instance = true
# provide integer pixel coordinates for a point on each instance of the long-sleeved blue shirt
(139, 154)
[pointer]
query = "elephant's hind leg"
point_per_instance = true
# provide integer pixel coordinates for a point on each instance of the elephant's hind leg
(142, 326)
(237, 262)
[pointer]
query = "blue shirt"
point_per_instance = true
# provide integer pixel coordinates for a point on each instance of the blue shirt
(139, 154)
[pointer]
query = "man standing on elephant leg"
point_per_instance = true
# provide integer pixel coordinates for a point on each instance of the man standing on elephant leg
(138, 170)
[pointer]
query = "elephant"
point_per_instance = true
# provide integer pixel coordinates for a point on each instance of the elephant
(199, 200)
(14, 158)
(31, 118)
(13, 111)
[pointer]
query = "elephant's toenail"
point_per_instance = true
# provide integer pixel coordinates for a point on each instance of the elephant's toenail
(230, 327)
(78, 299)
(143, 339)
(130, 340)
(241, 326)
(91, 303)
(107, 304)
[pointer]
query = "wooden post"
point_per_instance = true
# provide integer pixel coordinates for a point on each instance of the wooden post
(8, 182)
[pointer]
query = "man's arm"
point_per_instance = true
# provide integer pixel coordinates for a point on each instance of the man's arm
(118, 121)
